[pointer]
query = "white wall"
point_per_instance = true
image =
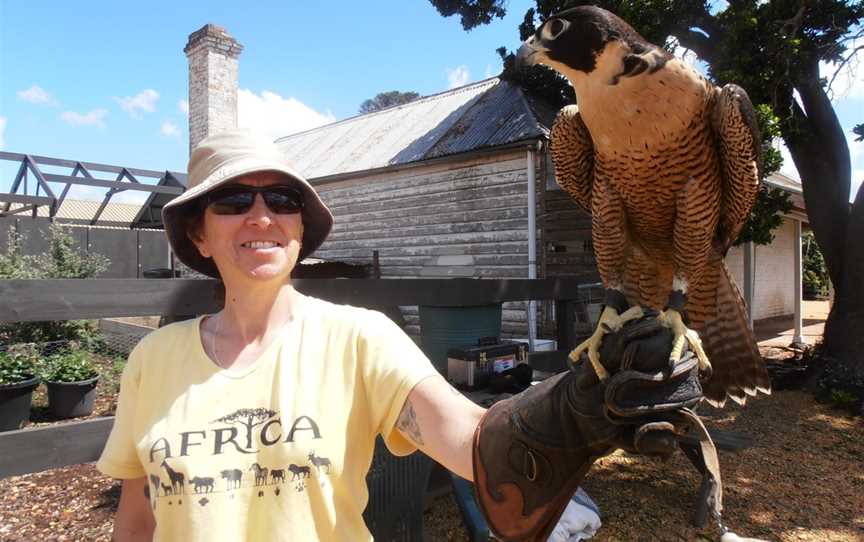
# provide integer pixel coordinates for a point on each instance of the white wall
(774, 290)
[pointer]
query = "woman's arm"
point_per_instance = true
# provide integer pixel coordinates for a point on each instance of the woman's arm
(134, 520)
(440, 421)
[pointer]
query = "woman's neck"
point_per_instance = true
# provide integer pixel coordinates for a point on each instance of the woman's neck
(253, 312)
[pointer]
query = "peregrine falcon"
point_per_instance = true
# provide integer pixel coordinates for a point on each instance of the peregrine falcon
(667, 164)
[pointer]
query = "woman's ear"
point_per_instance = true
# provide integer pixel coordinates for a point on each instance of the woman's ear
(196, 235)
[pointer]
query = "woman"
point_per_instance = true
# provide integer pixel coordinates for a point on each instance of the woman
(258, 422)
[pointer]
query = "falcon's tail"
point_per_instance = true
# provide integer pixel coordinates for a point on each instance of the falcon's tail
(738, 368)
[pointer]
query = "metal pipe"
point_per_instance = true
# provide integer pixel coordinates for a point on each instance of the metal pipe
(532, 245)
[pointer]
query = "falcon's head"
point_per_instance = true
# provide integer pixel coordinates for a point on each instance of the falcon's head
(588, 41)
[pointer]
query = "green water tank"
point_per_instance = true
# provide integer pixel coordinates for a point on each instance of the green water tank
(442, 328)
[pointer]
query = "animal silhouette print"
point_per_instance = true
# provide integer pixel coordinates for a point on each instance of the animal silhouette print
(298, 472)
(167, 490)
(202, 484)
(277, 474)
(177, 479)
(232, 477)
(260, 474)
(319, 461)
(155, 481)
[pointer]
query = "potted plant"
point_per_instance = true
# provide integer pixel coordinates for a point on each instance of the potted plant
(71, 379)
(18, 379)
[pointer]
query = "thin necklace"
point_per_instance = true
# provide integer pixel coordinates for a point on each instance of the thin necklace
(219, 331)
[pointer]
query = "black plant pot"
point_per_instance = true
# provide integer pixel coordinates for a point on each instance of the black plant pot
(71, 399)
(15, 403)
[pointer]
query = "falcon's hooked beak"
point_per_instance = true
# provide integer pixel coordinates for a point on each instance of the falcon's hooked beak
(527, 55)
(534, 50)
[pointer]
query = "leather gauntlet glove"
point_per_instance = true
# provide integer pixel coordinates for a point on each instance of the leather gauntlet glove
(531, 451)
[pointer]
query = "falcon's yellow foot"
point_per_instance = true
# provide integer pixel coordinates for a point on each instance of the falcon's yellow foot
(682, 334)
(610, 321)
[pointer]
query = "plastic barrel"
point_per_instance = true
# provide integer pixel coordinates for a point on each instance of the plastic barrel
(442, 328)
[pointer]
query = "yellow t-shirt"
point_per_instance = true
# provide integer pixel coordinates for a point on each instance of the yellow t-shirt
(277, 451)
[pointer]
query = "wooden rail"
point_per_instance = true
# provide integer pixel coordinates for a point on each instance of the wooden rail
(36, 449)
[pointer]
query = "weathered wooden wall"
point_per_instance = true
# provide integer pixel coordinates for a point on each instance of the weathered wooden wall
(462, 218)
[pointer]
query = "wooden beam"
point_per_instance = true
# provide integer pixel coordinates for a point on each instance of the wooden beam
(31, 164)
(18, 198)
(41, 448)
(54, 178)
(19, 210)
(39, 300)
(89, 165)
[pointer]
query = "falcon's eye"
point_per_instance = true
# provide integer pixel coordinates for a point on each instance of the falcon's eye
(554, 28)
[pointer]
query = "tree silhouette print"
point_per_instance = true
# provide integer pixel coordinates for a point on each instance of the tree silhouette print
(248, 418)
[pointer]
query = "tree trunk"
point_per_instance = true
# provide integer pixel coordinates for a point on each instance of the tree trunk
(821, 155)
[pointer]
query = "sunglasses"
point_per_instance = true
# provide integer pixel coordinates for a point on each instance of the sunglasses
(238, 199)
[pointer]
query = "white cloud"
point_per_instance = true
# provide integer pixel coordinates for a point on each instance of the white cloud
(36, 95)
(183, 106)
(144, 101)
(275, 116)
(2, 132)
(458, 76)
(91, 118)
(169, 129)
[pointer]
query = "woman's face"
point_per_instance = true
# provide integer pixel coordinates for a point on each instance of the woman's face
(257, 245)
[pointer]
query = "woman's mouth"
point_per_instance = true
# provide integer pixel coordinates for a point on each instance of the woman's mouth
(260, 244)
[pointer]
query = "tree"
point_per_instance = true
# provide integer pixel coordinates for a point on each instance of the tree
(383, 100)
(249, 418)
(773, 49)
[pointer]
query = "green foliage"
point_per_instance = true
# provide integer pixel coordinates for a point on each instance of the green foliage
(815, 276)
(69, 365)
(842, 398)
(14, 264)
(17, 365)
(62, 260)
(472, 13)
(383, 100)
(859, 131)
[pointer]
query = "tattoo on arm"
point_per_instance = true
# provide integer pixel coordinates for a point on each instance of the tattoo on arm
(407, 423)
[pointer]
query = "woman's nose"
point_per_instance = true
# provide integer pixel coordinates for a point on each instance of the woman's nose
(259, 213)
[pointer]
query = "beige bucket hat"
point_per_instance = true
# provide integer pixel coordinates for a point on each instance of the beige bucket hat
(218, 160)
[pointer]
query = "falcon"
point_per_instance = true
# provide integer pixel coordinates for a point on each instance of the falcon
(667, 164)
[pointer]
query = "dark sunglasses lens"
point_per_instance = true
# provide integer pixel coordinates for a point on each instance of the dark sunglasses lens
(283, 201)
(232, 203)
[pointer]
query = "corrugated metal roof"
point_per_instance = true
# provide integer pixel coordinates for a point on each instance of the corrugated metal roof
(481, 115)
(114, 214)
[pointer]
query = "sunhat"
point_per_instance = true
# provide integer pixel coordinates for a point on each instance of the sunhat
(218, 160)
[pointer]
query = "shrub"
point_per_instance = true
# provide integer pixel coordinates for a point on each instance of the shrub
(62, 260)
(71, 365)
(17, 365)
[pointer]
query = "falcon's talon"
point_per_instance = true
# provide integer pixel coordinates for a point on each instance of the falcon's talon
(609, 322)
(683, 335)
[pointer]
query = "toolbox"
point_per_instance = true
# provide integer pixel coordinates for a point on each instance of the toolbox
(471, 367)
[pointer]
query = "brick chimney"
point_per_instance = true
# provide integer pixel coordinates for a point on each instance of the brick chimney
(213, 60)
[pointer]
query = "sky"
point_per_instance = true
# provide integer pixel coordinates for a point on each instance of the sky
(106, 81)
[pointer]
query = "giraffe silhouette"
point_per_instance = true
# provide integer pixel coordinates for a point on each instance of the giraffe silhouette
(177, 478)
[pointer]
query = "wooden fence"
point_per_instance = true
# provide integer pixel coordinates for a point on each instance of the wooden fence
(35, 449)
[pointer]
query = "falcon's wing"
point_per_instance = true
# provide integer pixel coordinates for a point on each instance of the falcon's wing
(573, 155)
(737, 135)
